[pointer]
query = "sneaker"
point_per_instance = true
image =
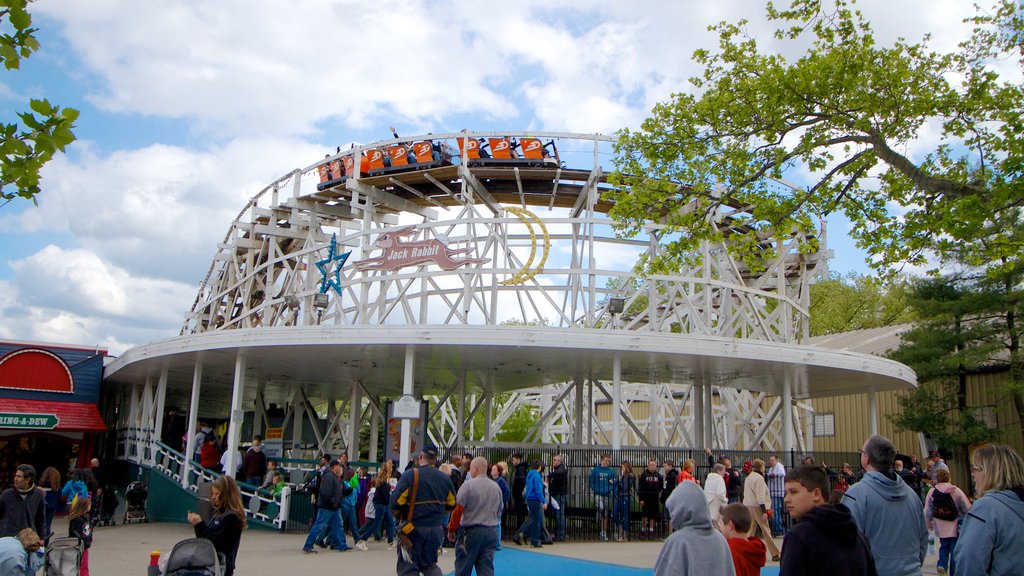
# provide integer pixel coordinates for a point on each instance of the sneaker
(518, 539)
(308, 551)
(618, 537)
(362, 545)
(604, 536)
(391, 545)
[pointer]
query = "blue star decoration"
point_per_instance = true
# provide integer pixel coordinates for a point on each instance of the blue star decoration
(328, 277)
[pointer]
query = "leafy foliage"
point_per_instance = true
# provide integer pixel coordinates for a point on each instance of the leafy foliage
(44, 130)
(841, 112)
(855, 302)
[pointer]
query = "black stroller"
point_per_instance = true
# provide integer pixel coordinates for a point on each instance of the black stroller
(135, 502)
(106, 508)
(193, 557)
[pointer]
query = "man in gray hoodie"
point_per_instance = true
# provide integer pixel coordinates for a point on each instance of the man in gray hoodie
(888, 512)
(695, 546)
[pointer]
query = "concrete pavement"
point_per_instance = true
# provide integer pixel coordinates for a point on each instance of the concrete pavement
(123, 550)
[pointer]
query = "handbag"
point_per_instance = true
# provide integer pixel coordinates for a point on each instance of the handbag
(405, 527)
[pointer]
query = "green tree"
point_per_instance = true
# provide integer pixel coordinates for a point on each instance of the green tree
(45, 129)
(857, 302)
(963, 329)
(708, 164)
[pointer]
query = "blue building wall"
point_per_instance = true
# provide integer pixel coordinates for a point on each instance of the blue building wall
(86, 371)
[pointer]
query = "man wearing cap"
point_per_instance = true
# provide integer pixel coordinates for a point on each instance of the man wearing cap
(421, 500)
(474, 524)
(328, 501)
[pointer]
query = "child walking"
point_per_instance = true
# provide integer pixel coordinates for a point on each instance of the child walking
(80, 527)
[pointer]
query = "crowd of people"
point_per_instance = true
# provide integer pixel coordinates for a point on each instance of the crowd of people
(27, 509)
(873, 522)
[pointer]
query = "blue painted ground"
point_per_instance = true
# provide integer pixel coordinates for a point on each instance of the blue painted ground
(512, 561)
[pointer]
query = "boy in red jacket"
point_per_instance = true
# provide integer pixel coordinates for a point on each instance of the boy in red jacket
(748, 554)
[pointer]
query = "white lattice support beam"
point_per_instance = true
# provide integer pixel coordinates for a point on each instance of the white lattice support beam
(236, 417)
(765, 425)
(158, 407)
(550, 411)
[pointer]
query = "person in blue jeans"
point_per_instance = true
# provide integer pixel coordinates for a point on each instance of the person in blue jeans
(381, 512)
(498, 475)
(535, 503)
(776, 478)
(558, 486)
(627, 487)
(328, 501)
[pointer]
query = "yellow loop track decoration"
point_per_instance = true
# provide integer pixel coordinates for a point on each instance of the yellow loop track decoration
(528, 271)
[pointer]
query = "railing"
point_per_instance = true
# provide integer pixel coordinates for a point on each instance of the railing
(159, 457)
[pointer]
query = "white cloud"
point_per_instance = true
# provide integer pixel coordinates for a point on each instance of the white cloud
(161, 210)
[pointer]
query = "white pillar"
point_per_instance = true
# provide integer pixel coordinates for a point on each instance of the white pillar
(193, 415)
(616, 401)
(374, 432)
(787, 411)
(131, 437)
(460, 409)
(709, 416)
(258, 408)
(489, 416)
(298, 412)
(354, 411)
(872, 413)
(578, 403)
(697, 401)
(161, 398)
(407, 388)
(235, 424)
(145, 436)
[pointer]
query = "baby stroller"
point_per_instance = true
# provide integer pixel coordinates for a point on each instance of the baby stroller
(193, 557)
(135, 502)
(107, 505)
(64, 557)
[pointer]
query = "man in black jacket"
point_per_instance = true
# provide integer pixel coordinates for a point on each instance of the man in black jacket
(649, 488)
(22, 505)
(558, 488)
(328, 503)
(519, 470)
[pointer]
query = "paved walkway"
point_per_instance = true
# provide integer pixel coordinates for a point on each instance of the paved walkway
(124, 551)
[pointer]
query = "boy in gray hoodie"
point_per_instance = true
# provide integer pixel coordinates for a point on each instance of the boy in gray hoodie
(695, 546)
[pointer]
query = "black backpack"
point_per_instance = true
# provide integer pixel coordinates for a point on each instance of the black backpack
(943, 506)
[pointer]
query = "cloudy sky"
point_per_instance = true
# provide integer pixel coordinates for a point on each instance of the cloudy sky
(190, 108)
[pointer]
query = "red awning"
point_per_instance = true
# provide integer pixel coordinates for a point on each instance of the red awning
(73, 416)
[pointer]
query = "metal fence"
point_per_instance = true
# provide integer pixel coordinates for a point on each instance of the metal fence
(581, 513)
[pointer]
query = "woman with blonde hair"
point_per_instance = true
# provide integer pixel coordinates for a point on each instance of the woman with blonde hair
(381, 511)
(943, 507)
(992, 536)
(226, 523)
(80, 527)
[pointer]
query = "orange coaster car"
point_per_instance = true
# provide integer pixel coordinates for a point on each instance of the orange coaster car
(502, 148)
